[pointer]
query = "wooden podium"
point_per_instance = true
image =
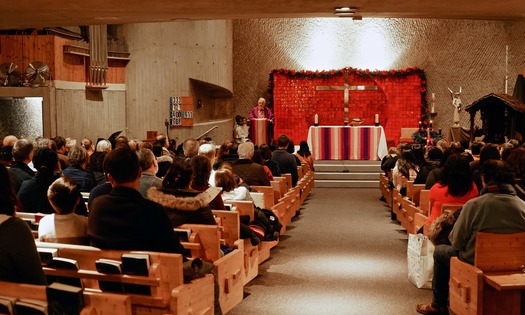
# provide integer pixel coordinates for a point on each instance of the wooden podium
(259, 131)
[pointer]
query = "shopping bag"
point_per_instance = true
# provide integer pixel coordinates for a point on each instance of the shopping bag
(420, 257)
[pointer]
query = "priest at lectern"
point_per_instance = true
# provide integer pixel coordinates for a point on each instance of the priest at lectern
(261, 121)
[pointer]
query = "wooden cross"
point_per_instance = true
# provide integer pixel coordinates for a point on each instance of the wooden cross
(346, 88)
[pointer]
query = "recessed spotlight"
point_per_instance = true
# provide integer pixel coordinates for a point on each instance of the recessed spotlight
(345, 9)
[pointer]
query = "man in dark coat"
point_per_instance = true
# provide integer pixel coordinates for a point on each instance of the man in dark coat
(124, 219)
(287, 162)
(23, 154)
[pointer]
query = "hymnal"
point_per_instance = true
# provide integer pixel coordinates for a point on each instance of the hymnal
(136, 264)
(47, 254)
(183, 234)
(30, 307)
(64, 299)
(64, 263)
(113, 267)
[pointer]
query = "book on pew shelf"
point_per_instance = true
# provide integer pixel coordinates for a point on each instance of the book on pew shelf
(110, 266)
(30, 307)
(47, 254)
(136, 264)
(7, 305)
(64, 263)
(64, 299)
(183, 234)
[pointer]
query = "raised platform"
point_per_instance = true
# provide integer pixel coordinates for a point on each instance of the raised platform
(347, 173)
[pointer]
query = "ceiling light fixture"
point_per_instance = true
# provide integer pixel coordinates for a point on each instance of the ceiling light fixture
(345, 9)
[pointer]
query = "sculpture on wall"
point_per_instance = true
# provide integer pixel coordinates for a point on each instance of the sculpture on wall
(456, 102)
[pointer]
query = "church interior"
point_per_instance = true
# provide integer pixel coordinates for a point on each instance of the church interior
(186, 69)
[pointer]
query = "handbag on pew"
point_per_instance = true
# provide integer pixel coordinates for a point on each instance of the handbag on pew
(420, 258)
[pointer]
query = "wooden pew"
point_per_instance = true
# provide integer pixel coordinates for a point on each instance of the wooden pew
(495, 283)
(403, 218)
(396, 202)
(165, 279)
(411, 218)
(282, 184)
(231, 235)
(386, 192)
(204, 243)
(288, 181)
(424, 201)
(414, 191)
(264, 198)
(94, 302)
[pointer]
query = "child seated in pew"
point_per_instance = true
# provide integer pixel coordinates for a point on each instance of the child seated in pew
(19, 260)
(230, 184)
(64, 226)
(181, 203)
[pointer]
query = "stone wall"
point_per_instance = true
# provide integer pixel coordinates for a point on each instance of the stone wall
(453, 53)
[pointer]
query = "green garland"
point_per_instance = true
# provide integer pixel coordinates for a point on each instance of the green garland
(421, 136)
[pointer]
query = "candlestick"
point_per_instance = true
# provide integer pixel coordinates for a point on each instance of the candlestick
(376, 119)
(430, 125)
(316, 120)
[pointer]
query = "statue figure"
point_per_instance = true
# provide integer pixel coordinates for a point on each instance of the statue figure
(456, 102)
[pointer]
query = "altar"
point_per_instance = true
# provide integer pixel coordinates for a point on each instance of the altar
(347, 143)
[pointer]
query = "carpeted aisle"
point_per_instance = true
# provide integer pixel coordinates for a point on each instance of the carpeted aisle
(342, 255)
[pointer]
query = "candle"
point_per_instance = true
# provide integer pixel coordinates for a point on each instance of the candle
(376, 119)
(316, 119)
(432, 103)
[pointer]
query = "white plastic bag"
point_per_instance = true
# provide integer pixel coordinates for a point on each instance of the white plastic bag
(420, 257)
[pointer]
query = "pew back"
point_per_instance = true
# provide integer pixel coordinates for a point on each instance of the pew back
(500, 252)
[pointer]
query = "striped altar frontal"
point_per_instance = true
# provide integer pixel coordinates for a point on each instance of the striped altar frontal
(347, 143)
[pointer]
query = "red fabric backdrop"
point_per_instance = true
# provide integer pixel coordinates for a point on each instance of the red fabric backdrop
(400, 100)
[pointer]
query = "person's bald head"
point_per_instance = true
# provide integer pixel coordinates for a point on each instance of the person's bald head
(9, 141)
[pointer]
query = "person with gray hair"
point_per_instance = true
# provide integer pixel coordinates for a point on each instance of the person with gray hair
(190, 148)
(19, 171)
(150, 167)
(208, 150)
(103, 146)
(250, 172)
(77, 169)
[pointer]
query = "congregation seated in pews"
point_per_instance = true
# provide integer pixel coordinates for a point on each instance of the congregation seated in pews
(478, 235)
(213, 252)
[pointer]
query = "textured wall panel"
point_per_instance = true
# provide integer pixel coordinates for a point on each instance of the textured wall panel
(164, 57)
(453, 53)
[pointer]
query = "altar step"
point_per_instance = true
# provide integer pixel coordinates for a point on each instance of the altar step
(348, 173)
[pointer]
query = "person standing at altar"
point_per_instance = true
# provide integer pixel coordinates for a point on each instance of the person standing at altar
(261, 111)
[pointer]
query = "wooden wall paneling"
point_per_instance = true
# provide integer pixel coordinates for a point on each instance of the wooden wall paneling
(90, 114)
